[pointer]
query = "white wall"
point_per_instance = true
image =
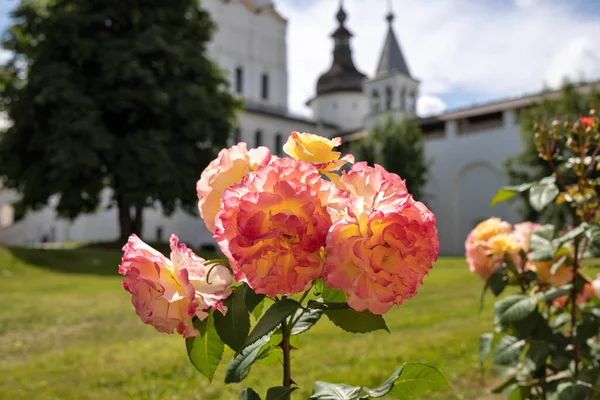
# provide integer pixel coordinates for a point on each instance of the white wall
(344, 109)
(256, 42)
(466, 172)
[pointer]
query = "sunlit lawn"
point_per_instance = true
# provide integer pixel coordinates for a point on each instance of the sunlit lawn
(68, 331)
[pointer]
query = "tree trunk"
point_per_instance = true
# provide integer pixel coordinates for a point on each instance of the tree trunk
(138, 220)
(125, 222)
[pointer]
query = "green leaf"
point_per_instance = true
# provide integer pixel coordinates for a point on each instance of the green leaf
(333, 295)
(358, 322)
(257, 312)
(279, 311)
(572, 391)
(554, 293)
(508, 192)
(319, 305)
(306, 321)
(498, 281)
(410, 381)
(593, 233)
(233, 327)
(514, 308)
(334, 391)
(541, 196)
(520, 393)
(239, 367)
(556, 265)
(205, 350)
(572, 234)
(536, 355)
(508, 351)
(485, 345)
(252, 299)
(279, 392)
(249, 394)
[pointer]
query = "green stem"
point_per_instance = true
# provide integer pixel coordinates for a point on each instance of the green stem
(285, 347)
(573, 296)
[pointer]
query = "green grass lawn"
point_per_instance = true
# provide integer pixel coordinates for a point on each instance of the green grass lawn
(69, 331)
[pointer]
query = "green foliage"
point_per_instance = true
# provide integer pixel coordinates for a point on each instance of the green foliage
(234, 326)
(274, 316)
(239, 367)
(399, 147)
(527, 166)
(205, 350)
(406, 383)
(354, 321)
(106, 94)
(249, 394)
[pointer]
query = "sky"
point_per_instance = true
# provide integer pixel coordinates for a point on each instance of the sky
(463, 52)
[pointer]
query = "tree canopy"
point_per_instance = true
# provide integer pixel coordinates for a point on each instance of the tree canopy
(399, 147)
(111, 94)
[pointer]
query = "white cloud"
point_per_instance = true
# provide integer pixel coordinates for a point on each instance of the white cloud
(451, 46)
(430, 105)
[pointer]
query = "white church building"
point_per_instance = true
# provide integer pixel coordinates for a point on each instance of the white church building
(467, 146)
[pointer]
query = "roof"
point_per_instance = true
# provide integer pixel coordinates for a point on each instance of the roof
(391, 59)
(283, 114)
(508, 103)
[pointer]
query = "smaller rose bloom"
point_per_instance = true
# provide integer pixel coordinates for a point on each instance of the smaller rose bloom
(562, 276)
(482, 259)
(317, 150)
(523, 233)
(227, 169)
(583, 297)
(168, 293)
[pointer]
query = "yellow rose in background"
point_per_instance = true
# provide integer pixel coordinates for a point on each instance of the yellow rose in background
(312, 148)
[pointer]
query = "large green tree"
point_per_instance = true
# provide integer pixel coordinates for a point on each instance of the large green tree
(572, 102)
(112, 94)
(399, 147)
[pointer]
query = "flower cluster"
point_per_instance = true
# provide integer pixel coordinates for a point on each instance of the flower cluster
(492, 239)
(283, 223)
(168, 293)
(284, 226)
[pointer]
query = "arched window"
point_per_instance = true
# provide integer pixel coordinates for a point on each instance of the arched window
(403, 100)
(375, 102)
(410, 102)
(388, 98)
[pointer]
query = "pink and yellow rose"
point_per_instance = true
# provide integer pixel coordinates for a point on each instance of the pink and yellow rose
(227, 169)
(486, 244)
(380, 250)
(168, 293)
(273, 224)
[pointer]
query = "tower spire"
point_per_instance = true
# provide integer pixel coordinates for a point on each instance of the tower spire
(391, 58)
(343, 74)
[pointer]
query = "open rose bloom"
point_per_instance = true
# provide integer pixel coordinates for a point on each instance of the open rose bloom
(283, 223)
(168, 293)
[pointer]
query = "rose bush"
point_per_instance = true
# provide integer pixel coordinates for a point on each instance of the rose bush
(548, 333)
